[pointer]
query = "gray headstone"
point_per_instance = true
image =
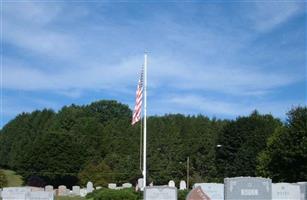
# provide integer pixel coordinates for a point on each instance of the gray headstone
(160, 193)
(62, 190)
(171, 183)
(213, 190)
(112, 185)
(49, 188)
(303, 189)
(76, 190)
(41, 195)
(16, 193)
(89, 187)
(247, 188)
(182, 185)
(127, 185)
(282, 191)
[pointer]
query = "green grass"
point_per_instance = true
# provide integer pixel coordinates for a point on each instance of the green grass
(13, 179)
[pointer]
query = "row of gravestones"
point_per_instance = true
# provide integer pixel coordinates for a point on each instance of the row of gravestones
(239, 188)
(47, 193)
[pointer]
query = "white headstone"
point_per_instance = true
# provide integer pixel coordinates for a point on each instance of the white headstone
(89, 187)
(182, 185)
(303, 189)
(83, 192)
(127, 185)
(160, 193)
(213, 190)
(112, 185)
(16, 193)
(285, 191)
(76, 190)
(140, 183)
(98, 187)
(171, 183)
(62, 190)
(41, 195)
(49, 188)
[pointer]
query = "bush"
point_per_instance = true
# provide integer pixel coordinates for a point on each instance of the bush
(109, 194)
(3, 180)
(182, 194)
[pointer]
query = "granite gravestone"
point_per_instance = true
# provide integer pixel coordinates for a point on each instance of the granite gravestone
(247, 188)
(41, 195)
(197, 194)
(62, 190)
(76, 190)
(160, 193)
(182, 185)
(303, 189)
(15, 193)
(49, 188)
(285, 191)
(171, 183)
(112, 186)
(89, 187)
(127, 185)
(214, 190)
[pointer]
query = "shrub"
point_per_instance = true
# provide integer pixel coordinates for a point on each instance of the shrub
(182, 194)
(109, 194)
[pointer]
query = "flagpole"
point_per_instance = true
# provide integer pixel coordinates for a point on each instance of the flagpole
(145, 119)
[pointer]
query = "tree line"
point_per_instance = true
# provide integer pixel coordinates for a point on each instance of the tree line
(96, 142)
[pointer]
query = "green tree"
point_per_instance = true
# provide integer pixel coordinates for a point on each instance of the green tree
(285, 156)
(3, 180)
(241, 141)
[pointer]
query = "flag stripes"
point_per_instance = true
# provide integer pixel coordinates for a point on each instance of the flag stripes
(138, 101)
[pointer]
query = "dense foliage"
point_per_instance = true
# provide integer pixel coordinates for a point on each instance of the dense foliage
(124, 194)
(285, 158)
(97, 143)
(3, 179)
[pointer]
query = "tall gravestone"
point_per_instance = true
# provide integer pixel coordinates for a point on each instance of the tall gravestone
(285, 191)
(89, 187)
(160, 193)
(214, 190)
(247, 188)
(182, 185)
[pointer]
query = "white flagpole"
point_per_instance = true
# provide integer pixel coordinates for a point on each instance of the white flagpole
(145, 119)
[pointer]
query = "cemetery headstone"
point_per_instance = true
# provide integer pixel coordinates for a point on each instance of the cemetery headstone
(285, 191)
(140, 183)
(214, 190)
(171, 183)
(182, 185)
(62, 190)
(83, 192)
(248, 188)
(98, 187)
(303, 189)
(89, 187)
(160, 193)
(127, 185)
(16, 193)
(197, 194)
(41, 195)
(76, 190)
(49, 188)
(112, 185)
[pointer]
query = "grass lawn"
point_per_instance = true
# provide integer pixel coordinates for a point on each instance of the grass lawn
(13, 179)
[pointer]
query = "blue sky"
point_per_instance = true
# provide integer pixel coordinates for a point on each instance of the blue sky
(220, 59)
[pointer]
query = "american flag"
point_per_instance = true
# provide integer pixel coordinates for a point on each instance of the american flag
(138, 101)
